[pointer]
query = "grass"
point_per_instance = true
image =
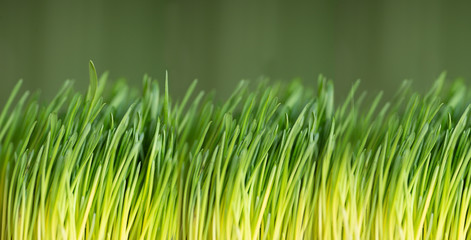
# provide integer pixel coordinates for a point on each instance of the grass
(279, 162)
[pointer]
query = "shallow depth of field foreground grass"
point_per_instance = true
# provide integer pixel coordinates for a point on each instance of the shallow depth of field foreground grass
(274, 162)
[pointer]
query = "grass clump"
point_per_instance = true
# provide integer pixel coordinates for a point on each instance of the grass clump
(279, 162)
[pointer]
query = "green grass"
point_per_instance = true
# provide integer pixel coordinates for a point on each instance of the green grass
(282, 161)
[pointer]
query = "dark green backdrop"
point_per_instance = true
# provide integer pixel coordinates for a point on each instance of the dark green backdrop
(221, 42)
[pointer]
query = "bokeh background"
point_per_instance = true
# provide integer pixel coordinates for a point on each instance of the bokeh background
(221, 42)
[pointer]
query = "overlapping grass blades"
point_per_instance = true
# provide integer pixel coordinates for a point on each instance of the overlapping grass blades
(278, 162)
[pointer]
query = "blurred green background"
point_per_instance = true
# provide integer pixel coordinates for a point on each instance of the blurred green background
(221, 42)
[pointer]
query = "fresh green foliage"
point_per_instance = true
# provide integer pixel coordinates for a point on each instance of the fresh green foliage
(278, 162)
